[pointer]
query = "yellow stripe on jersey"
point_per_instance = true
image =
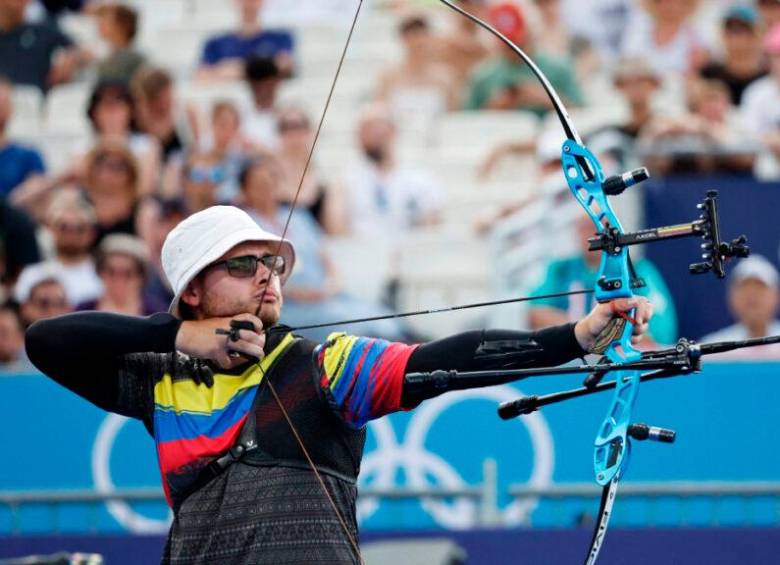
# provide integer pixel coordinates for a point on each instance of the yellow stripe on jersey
(187, 396)
(336, 353)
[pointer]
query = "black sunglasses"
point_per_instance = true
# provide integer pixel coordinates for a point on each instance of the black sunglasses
(245, 266)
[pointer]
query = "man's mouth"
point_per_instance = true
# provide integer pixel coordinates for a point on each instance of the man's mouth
(268, 296)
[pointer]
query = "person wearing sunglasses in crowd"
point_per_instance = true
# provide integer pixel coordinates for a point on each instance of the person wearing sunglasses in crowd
(201, 175)
(111, 184)
(260, 433)
(122, 265)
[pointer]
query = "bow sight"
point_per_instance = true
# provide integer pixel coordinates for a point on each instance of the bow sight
(715, 251)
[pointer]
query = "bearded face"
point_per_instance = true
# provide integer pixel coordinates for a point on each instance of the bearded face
(215, 293)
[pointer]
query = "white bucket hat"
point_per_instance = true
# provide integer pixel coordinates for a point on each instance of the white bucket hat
(204, 237)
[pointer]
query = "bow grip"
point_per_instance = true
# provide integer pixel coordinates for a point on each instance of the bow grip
(585, 179)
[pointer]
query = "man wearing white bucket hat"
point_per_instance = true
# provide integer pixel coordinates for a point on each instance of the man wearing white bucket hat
(259, 433)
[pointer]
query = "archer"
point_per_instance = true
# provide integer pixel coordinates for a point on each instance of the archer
(260, 433)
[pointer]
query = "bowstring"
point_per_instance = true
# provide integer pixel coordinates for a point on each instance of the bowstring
(437, 310)
(352, 541)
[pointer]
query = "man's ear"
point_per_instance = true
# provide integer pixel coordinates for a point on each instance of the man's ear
(193, 294)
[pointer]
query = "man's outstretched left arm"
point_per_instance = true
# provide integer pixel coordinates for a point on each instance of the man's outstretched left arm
(363, 378)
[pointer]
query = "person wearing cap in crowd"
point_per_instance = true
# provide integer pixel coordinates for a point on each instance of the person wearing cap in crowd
(72, 223)
(260, 433)
(40, 292)
(761, 109)
(743, 60)
(753, 299)
(122, 265)
(506, 82)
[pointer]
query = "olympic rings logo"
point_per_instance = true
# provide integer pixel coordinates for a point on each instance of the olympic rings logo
(418, 463)
(122, 512)
(380, 465)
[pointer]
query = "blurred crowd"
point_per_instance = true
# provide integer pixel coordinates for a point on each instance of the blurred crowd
(698, 84)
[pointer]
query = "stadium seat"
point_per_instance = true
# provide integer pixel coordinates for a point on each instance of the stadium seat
(181, 47)
(27, 102)
(66, 109)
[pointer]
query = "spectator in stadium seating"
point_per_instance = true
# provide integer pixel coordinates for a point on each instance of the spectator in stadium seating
(505, 82)
(202, 175)
(40, 293)
(110, 111)
(664, 34)
(419, 83)
(56, 8)
(555, 39)
(12, 355)
(384, 196)
(259, 123)
(709, 137)
(224, 55)
(159, 115)
(465, 45)
(753, 300)
(602, 24)
(770, 13)
(72, 223)
(761, 109)
(18, 244)
(117, 25)
(638, 84)
(121, 262)
(35, 54)
(19, 164)
(323, 200)
(229, 146)
(111, 183)
(157, 217)
(579, 272)
(743, 59)
(312, 294)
